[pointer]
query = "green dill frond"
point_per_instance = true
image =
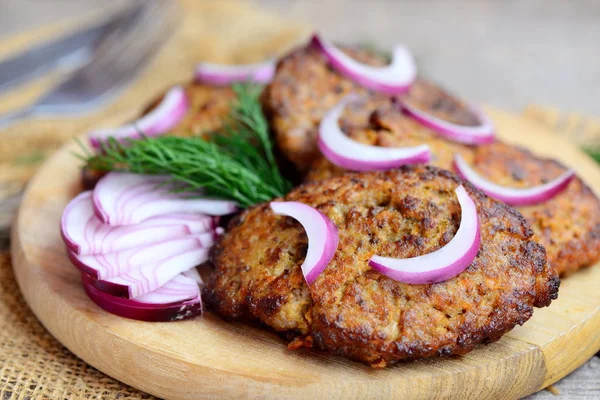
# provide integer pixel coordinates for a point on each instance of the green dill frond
(237, 163)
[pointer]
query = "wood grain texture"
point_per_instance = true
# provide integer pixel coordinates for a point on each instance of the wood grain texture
(209, 358)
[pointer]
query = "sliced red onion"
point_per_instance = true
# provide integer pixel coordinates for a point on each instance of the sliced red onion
(444, 263)
(105, 266)
(160, 120)
(85, 234)
(178, 299)
(123, 198)
(350, 154)
(224, 75)
(180, 288)
(395, 78)
(481, 134)
(146, 278)
(322, 235)
(513, 196)
(195, 275)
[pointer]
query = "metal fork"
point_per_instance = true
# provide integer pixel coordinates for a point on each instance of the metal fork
(118, 58)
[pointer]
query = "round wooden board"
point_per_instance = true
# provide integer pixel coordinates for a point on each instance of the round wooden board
(209, 358)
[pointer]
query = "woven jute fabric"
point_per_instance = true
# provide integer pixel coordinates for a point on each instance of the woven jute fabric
(34, 365)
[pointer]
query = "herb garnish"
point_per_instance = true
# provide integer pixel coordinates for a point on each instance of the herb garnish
(594, 153)
(236, 164)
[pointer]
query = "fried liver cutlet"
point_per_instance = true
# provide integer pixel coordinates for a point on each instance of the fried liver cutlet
(354, 311)
(209, 105)
(568, 225)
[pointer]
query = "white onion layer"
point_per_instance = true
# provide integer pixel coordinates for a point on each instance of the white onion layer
(223, 75)
(109, 265)
(481, 134)
(160, 120)
(84, 234)
(151, 276)
(122, 198)
(322, 235)
(395, 78)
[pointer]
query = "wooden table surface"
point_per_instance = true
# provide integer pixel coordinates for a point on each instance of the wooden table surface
(543, 52)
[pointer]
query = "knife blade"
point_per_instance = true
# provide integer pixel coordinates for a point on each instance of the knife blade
(68, 52)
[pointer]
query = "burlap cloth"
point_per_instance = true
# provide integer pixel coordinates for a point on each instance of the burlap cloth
(33, 364)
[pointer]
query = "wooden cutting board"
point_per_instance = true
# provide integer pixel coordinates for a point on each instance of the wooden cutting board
(209, 358)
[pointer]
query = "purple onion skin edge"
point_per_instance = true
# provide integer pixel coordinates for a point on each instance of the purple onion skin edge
(141, 311)
(71, 245)
(63, 225)
(111, 288)
(80, 266)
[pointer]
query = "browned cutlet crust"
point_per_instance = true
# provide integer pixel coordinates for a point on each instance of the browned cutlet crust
(354, 311)
(209, 106)
(304, 89)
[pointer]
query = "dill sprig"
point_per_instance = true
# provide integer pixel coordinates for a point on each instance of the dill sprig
(237, 163)
(594, 153)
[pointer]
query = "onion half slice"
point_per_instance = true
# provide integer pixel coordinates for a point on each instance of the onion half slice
(513, 196)
(441, 264)
(84, 234)
(123, 198)
(481, 134)
(224, 75)
(149, 277)
(178, 299)
(352, 155)
(160, 120)
(322, 235)
(105, 266)
(395, 78)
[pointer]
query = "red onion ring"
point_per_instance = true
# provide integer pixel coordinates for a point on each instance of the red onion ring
(84, 234)
(441, 264)
(395, 78)
(352, 155)
(123, 198)
(513, 196)
(224, 75)
(178, 299)
(481, 134)
(149, 277)
(110, 265)
(160, 120)
(322, 236)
